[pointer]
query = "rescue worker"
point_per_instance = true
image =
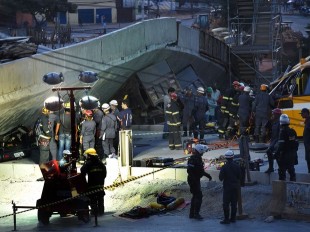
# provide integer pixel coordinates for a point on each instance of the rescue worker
(167, 100)
(216, 95)
(108, 131)
(230, 174)
(306, 135)
(65, 164)
(174, 123)
(97, 117)
(63, 131)
(286, 153)
(233, 110)
(45, 136)
(113, 105)
(210, 113)
(225, 109)
(52, 118)
(199, 111)
(275, 131)
(114, 110)
(97, 173)
(187, 100)
(88, 131)
(263, 105)
(125, 116)
(244, 110)
(195, 170)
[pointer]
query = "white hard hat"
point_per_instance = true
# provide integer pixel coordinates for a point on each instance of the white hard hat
(247, 89)
(67, 152)
(201, 90)
(229, 154)
(113, 102)
(105, 106)
(284, 119)
(201, 148)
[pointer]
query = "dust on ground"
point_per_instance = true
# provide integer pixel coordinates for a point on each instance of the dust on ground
(255, 199)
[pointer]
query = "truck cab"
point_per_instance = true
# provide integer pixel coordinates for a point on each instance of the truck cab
(292, 93)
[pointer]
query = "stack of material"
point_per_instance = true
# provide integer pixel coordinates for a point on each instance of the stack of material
(12, 48)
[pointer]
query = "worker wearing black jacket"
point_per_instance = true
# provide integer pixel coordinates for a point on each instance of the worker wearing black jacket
(97, 173)
(228, 109)
(174, 123)
(230, 174)
(275, 131)
(286, 154)
(195, 171)
(45, 136)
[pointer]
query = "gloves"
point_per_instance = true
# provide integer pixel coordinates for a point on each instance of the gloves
(209, 176)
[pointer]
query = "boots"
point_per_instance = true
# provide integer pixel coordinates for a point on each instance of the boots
(270, 169)
(226, 217)
(184, 131)
(194, 215)
(198, 217)
(191, 211)
(195, 209)
(256, 138)
(233, 214)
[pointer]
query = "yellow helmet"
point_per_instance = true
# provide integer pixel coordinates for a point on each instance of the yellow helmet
(90, 151)
(45, 111)
(67, 105)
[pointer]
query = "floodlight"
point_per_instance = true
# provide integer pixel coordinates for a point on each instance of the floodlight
(88, 77)
(53, 103)
(53, 78)
(89, 103)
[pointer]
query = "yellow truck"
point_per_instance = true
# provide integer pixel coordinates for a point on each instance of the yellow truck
(292, 93)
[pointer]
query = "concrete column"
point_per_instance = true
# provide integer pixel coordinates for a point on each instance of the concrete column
(278, 197)
(126, 150)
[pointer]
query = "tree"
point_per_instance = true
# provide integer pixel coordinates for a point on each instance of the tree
(47, 9)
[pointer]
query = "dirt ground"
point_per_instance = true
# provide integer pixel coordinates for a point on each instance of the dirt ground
(256, 199)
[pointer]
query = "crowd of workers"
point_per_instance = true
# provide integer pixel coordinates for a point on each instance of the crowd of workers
(236, 112)
(97, 128)
(233, 111)
(96, 134)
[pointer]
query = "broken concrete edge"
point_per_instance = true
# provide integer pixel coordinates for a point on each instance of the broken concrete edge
(280, 204)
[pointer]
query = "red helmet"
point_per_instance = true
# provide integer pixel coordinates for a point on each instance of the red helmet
(236, 83)
(88, 113)
(173, 96)
(277, 111)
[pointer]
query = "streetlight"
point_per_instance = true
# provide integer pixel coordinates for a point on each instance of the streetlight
(56, 103)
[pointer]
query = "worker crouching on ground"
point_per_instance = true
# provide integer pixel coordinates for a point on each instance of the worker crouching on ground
(195, 170)
(97, 173)
(230, 174)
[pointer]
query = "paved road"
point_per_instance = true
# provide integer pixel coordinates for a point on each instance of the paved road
(166, 222)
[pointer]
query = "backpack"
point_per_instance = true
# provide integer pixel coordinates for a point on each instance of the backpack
(38, 129)
(293, 142)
